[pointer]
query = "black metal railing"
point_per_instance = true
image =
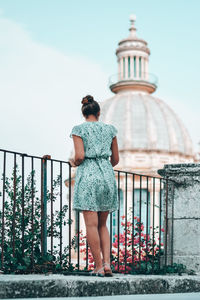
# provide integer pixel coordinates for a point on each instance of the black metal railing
(36, 218)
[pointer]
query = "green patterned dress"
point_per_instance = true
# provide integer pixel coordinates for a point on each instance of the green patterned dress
(95, 183)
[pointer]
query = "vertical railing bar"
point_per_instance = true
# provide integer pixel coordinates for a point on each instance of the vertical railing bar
(70, 213)
(140, 218)
(23, 225)
(44, 204)
(3, 210)
(118, 219)
(111, 233)
(78, 240)
(61, 213)
(147, 219)
(133, 215)
(172, 235)
(166, 221)
(125, 222)
(42, 208)
(86, 255)
(52, 196)
(32, 209)
(14, 207)
(160, 210)
(153, 222)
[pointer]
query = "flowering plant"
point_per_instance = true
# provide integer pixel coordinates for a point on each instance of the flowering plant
(133, 250)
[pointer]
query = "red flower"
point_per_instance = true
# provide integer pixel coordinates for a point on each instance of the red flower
(127, 238)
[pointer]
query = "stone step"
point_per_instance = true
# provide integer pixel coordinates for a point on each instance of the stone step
(35, 286)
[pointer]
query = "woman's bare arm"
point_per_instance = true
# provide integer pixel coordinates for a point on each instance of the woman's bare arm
(115, 153)
(79, 149)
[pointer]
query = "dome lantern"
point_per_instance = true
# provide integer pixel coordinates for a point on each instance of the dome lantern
(133, 64)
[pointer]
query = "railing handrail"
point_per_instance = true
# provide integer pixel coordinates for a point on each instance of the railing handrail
(48, 157)
(34, 156)
(137, 174)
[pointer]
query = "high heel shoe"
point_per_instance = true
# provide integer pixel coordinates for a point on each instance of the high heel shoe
(108, 273)
(98, 273)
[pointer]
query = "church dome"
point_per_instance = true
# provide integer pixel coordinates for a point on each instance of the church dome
(145, 122)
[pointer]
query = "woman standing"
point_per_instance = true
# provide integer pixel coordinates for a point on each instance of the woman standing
(95, 190)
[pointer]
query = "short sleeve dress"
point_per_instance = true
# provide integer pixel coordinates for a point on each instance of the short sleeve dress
(95, 186)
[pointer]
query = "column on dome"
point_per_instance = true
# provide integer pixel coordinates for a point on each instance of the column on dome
(137, 67)
(134, 66)
(147, 69)
(142, 71)
(140, 67)
(121, 68)
(131, 67)
(126, 67)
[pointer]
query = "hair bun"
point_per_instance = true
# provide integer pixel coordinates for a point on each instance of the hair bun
(87, 99)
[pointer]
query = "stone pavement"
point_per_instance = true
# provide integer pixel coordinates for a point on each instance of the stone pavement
(36, 286)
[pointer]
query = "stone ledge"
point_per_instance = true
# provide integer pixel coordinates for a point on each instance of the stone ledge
(32, 286)
(184, 174)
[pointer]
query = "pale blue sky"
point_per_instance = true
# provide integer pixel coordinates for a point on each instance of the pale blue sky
(86, 33)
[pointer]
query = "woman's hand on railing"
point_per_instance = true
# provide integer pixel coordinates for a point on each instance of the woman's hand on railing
(72, 163)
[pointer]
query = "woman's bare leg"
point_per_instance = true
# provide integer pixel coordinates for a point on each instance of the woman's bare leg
(104, 236)
(91, 222)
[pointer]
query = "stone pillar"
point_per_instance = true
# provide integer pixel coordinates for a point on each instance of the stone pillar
(183, 213)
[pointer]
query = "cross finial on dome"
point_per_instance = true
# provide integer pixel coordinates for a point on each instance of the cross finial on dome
(132, 29)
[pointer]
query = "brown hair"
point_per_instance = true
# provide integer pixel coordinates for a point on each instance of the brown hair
(89, 106)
